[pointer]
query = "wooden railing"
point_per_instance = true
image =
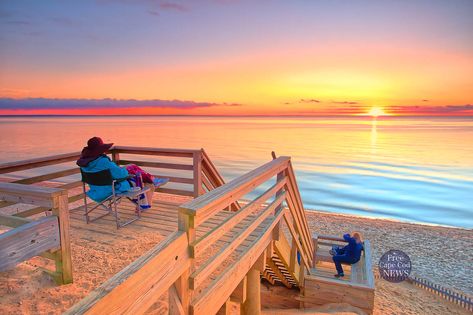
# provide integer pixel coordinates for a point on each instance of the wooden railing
(263, 221)
(47, 236)
(202, 176)
(193, 167)
(188, 265)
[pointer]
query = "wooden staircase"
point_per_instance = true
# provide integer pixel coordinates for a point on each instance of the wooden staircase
(205, 268)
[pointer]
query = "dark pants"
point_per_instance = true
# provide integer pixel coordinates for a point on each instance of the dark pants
(339, 259)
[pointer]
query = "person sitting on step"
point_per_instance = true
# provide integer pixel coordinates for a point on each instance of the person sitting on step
(350, 254)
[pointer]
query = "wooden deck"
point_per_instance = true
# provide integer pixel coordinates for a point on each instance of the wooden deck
(161, 218)
(198, 244)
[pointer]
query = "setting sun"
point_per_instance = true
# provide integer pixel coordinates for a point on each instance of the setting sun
(376, 111)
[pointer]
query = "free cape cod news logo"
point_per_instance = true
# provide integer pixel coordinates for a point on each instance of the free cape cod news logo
(395, 266)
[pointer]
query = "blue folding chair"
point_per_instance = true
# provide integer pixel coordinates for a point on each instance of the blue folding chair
(110, 204)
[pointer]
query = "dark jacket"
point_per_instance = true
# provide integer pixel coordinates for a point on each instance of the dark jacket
(353, 249)
(103, 162)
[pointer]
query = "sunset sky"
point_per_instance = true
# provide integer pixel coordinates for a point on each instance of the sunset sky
(224, 57)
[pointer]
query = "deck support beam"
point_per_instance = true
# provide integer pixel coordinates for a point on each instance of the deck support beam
(252, 305)
(239, 295)
(179, 295)
(225, 309)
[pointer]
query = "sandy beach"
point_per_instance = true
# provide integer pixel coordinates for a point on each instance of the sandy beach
(438, 253)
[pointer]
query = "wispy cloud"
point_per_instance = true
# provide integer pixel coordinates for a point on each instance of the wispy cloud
(153, 7)
(433, 110)
(18, 22)
(318, 101)
(153, 12)
(64, 21)
(167, 5)
(344, 102)
(303, 100)
(105, 103)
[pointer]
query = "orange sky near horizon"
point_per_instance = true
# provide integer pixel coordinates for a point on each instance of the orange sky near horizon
(306, 72)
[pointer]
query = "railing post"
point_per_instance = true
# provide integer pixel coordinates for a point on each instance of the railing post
(315, 242)
(63, 257)
(197, 163)
(279, 177)
(293, 264)
(115, 156)
(185, 224)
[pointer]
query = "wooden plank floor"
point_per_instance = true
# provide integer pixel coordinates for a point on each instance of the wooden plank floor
(161, 219)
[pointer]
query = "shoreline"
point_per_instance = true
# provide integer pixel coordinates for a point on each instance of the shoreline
(360, 216)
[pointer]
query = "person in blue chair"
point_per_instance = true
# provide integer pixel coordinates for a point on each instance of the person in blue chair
(350, 254)
(93, 159)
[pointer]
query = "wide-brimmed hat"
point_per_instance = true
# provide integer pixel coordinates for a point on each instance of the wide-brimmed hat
(95, 147)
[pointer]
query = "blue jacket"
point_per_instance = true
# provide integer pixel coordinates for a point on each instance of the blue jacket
(103, 162)
(353, 249)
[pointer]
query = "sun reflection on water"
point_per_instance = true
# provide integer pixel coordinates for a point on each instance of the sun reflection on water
(374, 134)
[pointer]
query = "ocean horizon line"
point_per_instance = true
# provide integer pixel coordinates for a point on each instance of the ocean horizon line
(253, 116)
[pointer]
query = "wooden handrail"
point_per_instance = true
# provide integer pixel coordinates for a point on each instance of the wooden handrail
(56, 233)
(28, 240)
(294, 190)
(174, 166)
(212, 178)
(206, 205)
(38, 162)
(68, 157)
(42, 178)
(217, 179)
(211, 236)
(299, 220)
(328, 237)
(196, 166)
(155, 151)
(206, 269)
(136, 287)
(34, 195)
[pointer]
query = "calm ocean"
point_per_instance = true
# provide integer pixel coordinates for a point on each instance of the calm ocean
(409, 169)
